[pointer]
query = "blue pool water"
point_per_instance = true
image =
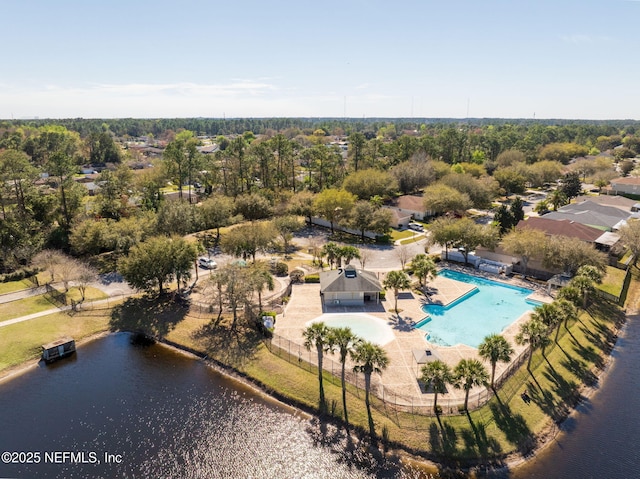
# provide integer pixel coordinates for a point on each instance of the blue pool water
(488, 309)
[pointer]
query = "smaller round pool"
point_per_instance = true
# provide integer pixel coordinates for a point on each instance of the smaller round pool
(369, 328)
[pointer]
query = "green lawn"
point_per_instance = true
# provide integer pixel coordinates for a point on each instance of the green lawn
(21, 342)
(612, 282)
(13, 286)
(36, 304)
(401, 234)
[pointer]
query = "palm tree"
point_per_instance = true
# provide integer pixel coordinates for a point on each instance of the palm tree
(349, 253)
(557, 198)
(567, 311)
(396, 280)
(423, 267)
(331, 251)
(345, 341)
(548, 314)
(585, 285)
(594, 274)
(369, 358)
(571, 294)
(495, 348)
(318, 335)
(467, 374)
(533, 333)
(436, 374)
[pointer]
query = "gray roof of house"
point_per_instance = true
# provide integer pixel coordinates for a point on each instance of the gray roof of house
(588, 218)
(597, 208)
(336, 281)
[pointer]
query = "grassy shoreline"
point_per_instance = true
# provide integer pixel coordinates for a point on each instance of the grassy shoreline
(503, 433)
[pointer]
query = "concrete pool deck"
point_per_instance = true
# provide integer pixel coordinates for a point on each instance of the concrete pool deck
(400, 378)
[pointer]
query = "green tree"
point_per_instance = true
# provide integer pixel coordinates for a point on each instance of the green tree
(495, 348)
(511, 179)
(318, 335)
(444, 232)
(568, 254)
(234, 287)
(181, 159)
(345, 341)
(253, 206)
(396, 280)
(217, 212)
(557, 198)
(247, 240)
(467, 374)
(286, 226)
(525, 243)
(368, 183)
(261, 278)
(332, 252)
(349, 253)
(334, 205)
(440, 199)
(156, 262)
(357, 142)
(423, 267)
(548, 314)
(302, 203)
(436, 375)
(571, 185)
(369, 358)
(178, 217)
(534, 334)
(630, 236)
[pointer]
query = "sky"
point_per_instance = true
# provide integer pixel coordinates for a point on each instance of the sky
(539, 59)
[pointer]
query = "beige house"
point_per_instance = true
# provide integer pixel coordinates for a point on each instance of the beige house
(349, 286)
(629, 185)
(411, 205)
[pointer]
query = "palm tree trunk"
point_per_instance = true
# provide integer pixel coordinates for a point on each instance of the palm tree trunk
(344, 394)
(493, 373)
(367, 388)
(466, 399)
(435, 403)
(322, 400)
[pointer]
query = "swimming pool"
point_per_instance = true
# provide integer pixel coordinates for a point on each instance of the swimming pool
(364, 325)
(488, 309)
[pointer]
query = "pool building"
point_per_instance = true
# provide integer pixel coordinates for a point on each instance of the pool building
(349, 286)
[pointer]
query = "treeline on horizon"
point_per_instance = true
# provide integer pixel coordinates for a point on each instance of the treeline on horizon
(136, 127)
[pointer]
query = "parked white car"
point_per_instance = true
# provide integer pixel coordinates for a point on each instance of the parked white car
(416, 226)
(207, 263)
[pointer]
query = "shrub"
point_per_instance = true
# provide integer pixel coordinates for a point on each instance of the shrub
(280, 269)
(312, 278)
(383, 295)
(297, 276)
(18, 275)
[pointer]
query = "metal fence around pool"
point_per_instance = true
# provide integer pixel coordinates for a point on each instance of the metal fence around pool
(395, 406)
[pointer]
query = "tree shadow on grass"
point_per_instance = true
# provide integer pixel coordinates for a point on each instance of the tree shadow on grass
(513, 426)
(580, 370)
(443, 442)
(151, 315)
(230, 346)
(478, 443)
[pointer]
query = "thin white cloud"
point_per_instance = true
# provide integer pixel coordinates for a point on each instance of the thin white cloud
(363, 86)
(583, 39)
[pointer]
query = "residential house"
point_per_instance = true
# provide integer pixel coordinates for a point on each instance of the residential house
(606, 218)
(411, 205)
(627, 185)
